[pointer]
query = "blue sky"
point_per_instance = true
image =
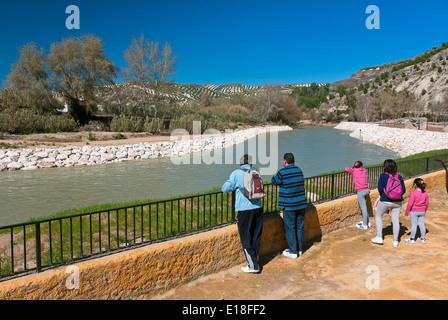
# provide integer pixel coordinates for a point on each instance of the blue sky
(245, 41)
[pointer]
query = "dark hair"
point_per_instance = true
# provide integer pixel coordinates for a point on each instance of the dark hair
(289, 157)
(246, 159)
(419, 182)
(390, 166)
(358, 164)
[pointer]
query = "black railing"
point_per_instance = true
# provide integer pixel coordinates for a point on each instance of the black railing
(38, 245)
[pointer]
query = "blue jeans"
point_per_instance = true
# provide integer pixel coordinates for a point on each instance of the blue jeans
(293, 222)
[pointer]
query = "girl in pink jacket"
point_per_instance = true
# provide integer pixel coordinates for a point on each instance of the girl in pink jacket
(359, 174)
(417, 206)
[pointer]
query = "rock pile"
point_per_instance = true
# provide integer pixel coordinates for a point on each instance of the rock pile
(31, 159)
(405, 142)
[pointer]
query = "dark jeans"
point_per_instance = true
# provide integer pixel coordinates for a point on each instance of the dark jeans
(293, 222)
(250, 226)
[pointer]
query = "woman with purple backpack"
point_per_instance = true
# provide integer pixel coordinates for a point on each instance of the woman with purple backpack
(391, 188)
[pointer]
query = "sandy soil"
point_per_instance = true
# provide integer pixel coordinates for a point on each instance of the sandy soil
(65, 139)
(343, 265)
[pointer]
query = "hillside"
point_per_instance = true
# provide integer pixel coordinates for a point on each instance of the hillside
(186, 94)
(425, 76)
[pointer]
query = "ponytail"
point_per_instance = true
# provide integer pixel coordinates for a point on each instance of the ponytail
(420, 184)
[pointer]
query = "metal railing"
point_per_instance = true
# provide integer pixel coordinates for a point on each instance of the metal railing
(37, 245)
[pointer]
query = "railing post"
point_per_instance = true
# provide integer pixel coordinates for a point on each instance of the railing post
(233, 204)
(38, 248)
(332, 186)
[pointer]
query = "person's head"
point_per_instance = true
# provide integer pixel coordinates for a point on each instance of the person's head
(358, 164)
(418, 183)
(390, 166)
(246, 159)
(288, 158)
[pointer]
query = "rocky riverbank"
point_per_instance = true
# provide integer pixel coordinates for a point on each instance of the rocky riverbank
(405, 142)
(38, 158)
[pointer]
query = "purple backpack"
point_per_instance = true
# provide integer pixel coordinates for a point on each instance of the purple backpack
(393, 189)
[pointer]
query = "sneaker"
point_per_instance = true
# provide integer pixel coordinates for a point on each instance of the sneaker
(422, 240)
(368, 223)
(377, 240)
(361, 226)
(409, 240)
(395, 243)
(290, 255)
(246, 269)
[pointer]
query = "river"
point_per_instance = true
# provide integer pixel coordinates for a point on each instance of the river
(39, 193)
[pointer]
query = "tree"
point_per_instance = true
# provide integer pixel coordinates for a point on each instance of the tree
(439, 107)
(150, 69)
(269, 103)
(77, 66)
(28, 83)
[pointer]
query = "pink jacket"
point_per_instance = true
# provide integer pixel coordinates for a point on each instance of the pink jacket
(418, 202)
(359, 178)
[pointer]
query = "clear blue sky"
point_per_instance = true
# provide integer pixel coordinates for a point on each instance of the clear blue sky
(245, 41)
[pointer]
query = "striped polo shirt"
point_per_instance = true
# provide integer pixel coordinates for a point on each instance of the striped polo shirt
(292, 188)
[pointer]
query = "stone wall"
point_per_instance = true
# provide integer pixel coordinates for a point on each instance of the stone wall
(38, 158)
(144, 272)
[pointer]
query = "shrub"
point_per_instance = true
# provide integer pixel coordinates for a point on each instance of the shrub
(126, 124)
(26, 121)
(155, 126)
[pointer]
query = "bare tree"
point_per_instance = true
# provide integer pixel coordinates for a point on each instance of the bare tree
(150, 69)
(269, 103)
(439, 107)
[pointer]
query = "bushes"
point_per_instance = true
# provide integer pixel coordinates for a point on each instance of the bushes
(26, 121)
(126, 124)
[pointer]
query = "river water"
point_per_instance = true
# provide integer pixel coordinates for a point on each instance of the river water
(39, 193)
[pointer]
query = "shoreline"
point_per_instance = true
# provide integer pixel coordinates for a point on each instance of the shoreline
(405, 142)
(112, 151)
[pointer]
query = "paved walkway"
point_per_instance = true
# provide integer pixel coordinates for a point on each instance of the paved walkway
(344, 265)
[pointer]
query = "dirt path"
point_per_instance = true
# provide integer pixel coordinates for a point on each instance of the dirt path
(344, 265)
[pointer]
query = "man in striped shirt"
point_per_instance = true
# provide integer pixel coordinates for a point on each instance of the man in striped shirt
(292, 200)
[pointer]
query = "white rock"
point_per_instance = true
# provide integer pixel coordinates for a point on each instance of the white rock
(108, 157)
(15, 165)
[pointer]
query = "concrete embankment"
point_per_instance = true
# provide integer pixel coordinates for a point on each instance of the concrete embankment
(405, 142)
(31, 159)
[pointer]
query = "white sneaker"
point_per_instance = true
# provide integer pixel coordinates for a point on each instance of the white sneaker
(290, 255)
(422, 240)
(409, 241)
(395, 243)
(246, 269)
(368, 223)
(361, 226)
(377, 240)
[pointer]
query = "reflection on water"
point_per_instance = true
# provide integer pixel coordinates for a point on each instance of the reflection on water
(28, 194)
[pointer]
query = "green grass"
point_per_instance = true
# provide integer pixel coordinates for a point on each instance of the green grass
(71, 234)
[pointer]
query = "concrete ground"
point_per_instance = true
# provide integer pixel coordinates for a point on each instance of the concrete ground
(344, 264)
